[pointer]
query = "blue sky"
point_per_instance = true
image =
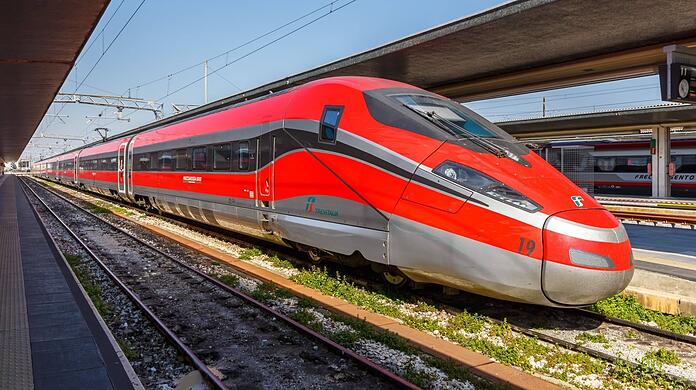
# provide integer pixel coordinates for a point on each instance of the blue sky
(166, 36)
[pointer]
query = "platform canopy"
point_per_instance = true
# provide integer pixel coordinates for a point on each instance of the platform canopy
(39, 45)
(521, 46)
(603, 123)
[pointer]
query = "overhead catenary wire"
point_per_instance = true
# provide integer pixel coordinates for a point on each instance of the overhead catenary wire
(332, 10)
(247, 43)
(101, 32)
(106, 50)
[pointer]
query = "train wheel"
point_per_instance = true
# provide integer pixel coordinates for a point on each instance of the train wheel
(394, 279)
(315, 256)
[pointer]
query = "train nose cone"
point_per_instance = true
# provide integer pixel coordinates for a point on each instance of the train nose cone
(587, 257)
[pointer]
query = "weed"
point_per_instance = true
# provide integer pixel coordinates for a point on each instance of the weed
(592, 338)
(278, 262)
(471, 323)
(250, 253)
(228, 279)
(98, 209)
(125, 347)
(266, 292)
(93, 291)
(627, 308)
(662, 356)
(418, 378)
(631, 334)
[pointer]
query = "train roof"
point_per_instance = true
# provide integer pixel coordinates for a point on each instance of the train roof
(360, 83)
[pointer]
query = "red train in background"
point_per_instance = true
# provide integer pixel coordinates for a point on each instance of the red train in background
(368, 171)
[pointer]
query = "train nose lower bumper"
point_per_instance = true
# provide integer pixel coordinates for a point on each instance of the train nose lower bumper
(569, 285)
(587, 257)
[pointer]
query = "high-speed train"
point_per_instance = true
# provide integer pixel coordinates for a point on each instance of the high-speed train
(623, 167)
(367, 171)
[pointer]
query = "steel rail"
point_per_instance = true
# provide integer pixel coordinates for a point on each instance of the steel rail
(208, 375)
(366, 363)
(641, 327)
(526, 331)
(653, 217)
(576, 347)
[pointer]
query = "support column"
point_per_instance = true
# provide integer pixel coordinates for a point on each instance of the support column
(660, 148)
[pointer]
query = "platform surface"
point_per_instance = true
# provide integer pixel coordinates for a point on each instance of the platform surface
(49, 335)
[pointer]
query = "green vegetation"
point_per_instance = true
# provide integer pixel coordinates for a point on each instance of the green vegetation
(592, 338)
(98, 209)
(228, 279)
(626, 307)
(662, 356)
(280, 263)
(516, 350)
(125, 347)
(93, 291)
(250, 253)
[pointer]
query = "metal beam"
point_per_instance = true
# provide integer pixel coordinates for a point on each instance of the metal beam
(118, 102)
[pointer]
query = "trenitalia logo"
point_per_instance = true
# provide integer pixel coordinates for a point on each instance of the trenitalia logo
(310, 204)
(310, 209)
(577, 200)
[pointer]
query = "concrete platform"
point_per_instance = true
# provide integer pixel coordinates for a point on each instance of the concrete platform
(665, 259)
(50, 335)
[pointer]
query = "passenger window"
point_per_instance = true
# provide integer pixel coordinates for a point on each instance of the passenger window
(329, 124)
(221, 157)
(143, 162)
(182, 163)
(113, 165)
(200, 159)
(244, 156)
(165, 161)
(153, 161)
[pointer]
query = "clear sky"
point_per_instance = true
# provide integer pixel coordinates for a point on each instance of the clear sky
(166, 36)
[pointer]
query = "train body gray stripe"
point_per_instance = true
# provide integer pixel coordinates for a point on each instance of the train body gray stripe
(585, 232)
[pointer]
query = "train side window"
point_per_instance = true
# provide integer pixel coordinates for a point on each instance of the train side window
(199, 158)
(113, 164)
(328, 127)
(182, 160)
(143, 162)
(153, 161)
(243, 153)
(221, 157)
(165, 161)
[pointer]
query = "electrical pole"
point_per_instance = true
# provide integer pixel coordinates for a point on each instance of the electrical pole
(205, 81)
(543, 107)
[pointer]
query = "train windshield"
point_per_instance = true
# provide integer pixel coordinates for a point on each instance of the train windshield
(452, 115)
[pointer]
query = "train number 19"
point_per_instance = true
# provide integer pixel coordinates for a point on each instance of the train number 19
(526, 245)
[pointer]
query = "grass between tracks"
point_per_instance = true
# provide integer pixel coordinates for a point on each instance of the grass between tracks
(95, 294)
(495, 340)
(353, 331)
(626, 307)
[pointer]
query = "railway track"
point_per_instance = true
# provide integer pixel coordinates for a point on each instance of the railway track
(666, 211)
(207, 320)
(517, 316)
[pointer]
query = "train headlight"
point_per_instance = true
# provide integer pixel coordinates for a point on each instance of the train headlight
(589, 259)
(483, 184)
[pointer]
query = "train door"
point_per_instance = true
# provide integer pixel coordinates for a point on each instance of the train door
(265, 169)
(129, 170)
(76, 170)
(121, 168)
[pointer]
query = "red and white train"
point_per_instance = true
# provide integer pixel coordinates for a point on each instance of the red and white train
(371, 171)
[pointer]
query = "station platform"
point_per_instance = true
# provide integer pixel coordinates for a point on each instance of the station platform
(665, 250)
(50, 334)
